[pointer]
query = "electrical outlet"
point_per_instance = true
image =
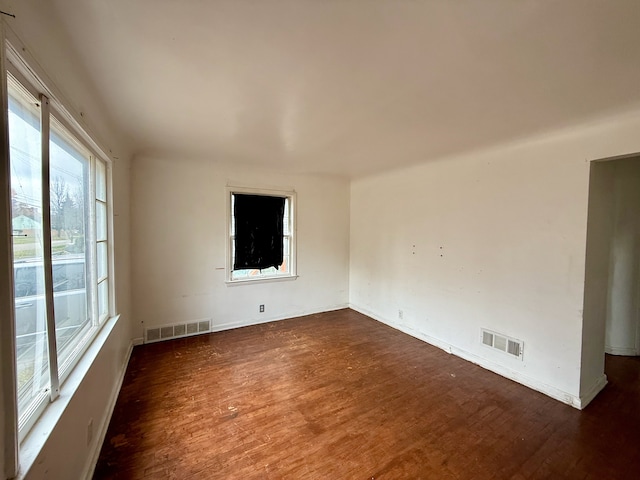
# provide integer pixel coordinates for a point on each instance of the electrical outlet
(261, 308)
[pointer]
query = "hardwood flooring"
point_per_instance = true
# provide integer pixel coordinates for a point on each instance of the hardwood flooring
(341, 396)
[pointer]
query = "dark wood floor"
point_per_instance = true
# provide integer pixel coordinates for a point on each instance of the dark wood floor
(341, 396)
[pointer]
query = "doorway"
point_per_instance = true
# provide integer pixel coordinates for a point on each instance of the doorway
(612, 274)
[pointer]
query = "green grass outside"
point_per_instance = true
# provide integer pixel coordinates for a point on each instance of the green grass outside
(31, 252)
(21, 240)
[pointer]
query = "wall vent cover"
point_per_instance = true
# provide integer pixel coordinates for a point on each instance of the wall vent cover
(503, 343)
(152, 334)
(176, 330)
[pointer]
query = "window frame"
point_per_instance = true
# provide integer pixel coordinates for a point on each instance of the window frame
(290, 195)
(77, 135)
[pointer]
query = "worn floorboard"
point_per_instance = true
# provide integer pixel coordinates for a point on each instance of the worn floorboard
(340, 396)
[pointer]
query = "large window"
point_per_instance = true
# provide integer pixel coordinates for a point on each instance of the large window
(61, 261)
(261, 235)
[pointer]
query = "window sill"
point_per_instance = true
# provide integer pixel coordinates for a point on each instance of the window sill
(44, 426)
(251, 281)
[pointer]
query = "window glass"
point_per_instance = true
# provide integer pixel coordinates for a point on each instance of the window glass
(103, 299)
(101, 221)
(69, 275)
(102, 260)
(101, 181)
(68, 191)
(26, 216)
(28, 278)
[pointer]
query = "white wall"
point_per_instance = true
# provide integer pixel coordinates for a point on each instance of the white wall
(65, 453)
(624, 277)
(494, 239)
(179, 240)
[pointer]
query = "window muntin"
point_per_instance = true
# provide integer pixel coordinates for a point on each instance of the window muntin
(288, 267)
(79, 235)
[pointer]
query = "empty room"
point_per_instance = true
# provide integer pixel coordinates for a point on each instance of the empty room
(303, 239)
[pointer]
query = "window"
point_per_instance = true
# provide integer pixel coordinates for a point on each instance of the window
(261, 235)
(102, 254)
(32, 361)
(61, 243)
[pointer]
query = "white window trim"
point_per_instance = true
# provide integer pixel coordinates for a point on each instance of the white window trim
(9, 462)
(288, 193)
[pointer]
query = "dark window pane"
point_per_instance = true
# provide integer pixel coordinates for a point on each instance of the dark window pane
(259, 223)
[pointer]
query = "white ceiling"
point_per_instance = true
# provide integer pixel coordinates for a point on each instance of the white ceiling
(352, 87)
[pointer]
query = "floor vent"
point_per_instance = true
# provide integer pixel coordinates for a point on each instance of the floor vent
(176, 330)
(503, 343)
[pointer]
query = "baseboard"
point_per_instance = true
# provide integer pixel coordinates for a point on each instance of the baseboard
(219, 327)
(501, 370)
(137, 341)
(104, 425)
(625, 352)
(598, 385)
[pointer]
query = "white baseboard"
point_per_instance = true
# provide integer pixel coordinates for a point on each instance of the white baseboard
(106, 419)
(219, 327)
(302, 313)
(501, 370)
(598, 385)
(137, 341)
(625, 352)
